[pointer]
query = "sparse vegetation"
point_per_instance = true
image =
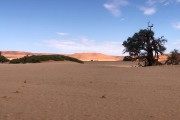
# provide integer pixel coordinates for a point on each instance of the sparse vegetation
(3, 59)
(41, 58)
(127, 58)
(174, 58)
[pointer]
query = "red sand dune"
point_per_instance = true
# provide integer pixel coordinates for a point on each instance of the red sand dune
(163, 58)
(96, 57)
(15, 54)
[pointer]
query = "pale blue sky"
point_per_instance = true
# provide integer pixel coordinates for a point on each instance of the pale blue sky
(71, 26)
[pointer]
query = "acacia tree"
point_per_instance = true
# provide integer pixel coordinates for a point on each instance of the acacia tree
(143, 43)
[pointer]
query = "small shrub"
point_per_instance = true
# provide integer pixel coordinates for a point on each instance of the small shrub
(15, 61)
(127, 58)
(174, 58)
(3, 59)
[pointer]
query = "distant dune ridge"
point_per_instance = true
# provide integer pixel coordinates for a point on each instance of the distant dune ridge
(15, 54)
(81, 56)
(96, 57)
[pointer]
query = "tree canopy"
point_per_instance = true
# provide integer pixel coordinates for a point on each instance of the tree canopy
(143, 43)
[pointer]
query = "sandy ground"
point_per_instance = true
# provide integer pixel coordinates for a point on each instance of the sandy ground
(90, 91)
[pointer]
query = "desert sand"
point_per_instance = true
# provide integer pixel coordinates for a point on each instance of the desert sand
(90, 91)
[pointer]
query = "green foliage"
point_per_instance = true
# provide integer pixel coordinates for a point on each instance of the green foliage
(15, 61)
(140, 42)
(41, 58)
(3, 59)
(143, 43)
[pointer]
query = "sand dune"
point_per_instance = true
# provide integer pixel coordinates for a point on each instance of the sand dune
(82, 56)
(163, 58)
(15, 54)
(96, 57)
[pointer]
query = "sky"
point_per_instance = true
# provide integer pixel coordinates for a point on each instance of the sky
(76, 26)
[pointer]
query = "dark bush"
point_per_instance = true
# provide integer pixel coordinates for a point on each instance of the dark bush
(127, 58)
(3, 59)
(41, 58)
(15, 61)
(174, 58)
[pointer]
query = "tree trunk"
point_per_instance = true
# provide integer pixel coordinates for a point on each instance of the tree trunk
(150, 57)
